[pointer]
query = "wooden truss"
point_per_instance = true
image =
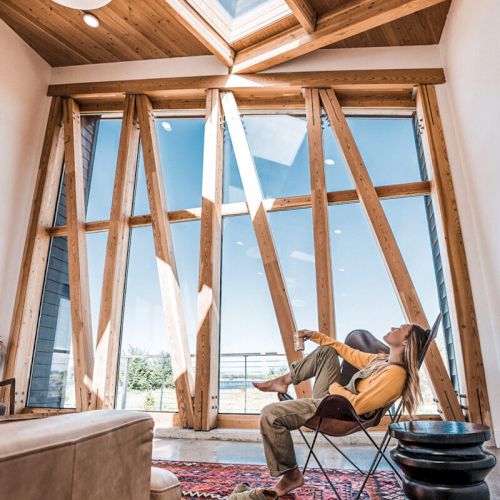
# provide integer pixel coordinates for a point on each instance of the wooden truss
(222, 95)
(313, 32)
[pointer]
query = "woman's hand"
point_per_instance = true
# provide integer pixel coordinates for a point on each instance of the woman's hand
(304, 334)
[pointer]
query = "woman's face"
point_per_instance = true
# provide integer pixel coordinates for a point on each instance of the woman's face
(397, 337)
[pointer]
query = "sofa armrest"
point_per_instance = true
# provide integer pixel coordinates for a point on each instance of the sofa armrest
(96, 454)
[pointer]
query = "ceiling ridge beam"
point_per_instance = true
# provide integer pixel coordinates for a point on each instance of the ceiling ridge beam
(368, 79)
(304, 13)
(342, 23)
(201, 30)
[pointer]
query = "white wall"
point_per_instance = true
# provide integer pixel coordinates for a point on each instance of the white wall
(23, 113)
(470, 108)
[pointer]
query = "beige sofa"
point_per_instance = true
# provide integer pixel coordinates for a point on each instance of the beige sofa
(93, 455)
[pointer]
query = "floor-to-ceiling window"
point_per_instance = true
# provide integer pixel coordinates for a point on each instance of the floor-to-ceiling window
(251, 347)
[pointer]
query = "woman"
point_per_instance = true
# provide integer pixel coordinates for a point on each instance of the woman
(380, 381)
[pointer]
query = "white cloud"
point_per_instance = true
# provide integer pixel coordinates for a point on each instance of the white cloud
(306, 257)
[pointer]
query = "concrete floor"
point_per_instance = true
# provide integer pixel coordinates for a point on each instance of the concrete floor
(251, 452)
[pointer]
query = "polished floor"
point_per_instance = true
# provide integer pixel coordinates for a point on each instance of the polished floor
(251, 452)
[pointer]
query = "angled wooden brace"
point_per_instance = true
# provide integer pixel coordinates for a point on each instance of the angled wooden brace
(319, 202)
(36, 251)
(396, 266)
(115, 265)
(169, 284)
(81, 323)
(445, 202)
(207, 342)
(258, 214)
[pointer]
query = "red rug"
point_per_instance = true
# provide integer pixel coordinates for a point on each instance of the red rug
(199, 478)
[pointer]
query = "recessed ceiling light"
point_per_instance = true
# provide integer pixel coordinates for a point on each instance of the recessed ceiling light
(166, 126)
(329, 161)
(82, 4)
(91, 20)
(337, 231)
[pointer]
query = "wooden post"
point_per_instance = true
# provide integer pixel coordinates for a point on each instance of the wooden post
(81, 324)
(169, 283)
(253, 193)
(319, 201)
(207, 342)
(36, 251)
(115, 266)
(445, 202)
(398, 272)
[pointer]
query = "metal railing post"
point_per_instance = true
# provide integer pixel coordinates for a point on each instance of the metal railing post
(125, 383)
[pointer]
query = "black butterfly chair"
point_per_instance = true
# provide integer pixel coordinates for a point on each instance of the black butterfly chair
(336, 417)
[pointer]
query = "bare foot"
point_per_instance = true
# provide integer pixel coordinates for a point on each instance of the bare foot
(289, 481)
(279, 384)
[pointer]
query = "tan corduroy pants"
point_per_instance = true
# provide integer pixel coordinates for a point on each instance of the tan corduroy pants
(278, 419)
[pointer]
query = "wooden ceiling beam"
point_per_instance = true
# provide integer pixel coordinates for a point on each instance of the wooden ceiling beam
(304, 13)
(384, 79)
(348, 20)
(201, 30)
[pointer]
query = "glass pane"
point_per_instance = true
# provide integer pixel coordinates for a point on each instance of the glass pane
(52, 382)
(364, 295)
(387, 146)
(180, 142)
(96, 253)
(250, 345)
(102, 175)
(145, 365)
(293, 236)
(278, 144)
(337, 174)
(408, 220)
(239, 8)
(52, 378)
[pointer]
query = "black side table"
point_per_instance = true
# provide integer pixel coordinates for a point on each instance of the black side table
(443, 459)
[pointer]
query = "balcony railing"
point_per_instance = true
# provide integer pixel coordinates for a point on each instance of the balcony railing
(150, 386)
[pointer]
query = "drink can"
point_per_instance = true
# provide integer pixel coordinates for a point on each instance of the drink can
(298, 342)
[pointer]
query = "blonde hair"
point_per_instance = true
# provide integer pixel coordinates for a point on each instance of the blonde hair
(412, 393)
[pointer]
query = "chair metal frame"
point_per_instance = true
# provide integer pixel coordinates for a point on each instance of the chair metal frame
(12, 394)
(347, 412)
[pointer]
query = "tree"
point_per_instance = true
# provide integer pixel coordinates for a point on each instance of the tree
(147, 375)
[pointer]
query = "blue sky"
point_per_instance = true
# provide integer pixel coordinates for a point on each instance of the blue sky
(364, 296)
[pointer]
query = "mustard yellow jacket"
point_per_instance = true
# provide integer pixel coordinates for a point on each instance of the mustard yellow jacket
(375, 391)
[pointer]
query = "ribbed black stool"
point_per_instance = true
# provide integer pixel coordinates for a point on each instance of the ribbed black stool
(443, 459)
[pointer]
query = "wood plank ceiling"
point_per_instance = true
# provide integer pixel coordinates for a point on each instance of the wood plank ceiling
(145, 29)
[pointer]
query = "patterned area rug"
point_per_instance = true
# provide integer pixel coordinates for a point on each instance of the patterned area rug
(201, 478)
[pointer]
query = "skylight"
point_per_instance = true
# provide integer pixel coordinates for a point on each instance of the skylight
(238, 8)
(235, 19)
